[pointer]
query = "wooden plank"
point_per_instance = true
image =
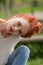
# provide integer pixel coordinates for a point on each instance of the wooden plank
(34, 38)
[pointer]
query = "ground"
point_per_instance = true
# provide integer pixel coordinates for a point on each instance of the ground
(37, 61)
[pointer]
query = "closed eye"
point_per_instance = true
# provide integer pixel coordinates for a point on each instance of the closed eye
(19, 24)
(20, 32)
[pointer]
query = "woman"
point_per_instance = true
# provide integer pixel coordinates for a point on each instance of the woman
(21, 25)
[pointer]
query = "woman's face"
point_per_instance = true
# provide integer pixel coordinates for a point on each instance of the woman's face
(22, 27)
(19, 27)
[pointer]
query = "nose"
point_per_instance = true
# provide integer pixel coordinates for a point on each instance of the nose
(17, 28)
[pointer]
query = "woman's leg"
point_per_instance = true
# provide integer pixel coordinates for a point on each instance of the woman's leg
(19, 56)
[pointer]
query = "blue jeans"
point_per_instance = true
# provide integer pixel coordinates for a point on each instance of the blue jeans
(19, 56)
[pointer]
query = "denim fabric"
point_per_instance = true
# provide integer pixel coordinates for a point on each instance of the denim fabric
(19, 56)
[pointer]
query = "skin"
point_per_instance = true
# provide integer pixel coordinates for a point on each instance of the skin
(18, 28)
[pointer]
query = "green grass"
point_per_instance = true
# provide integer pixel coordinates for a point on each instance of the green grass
(2, 15)
(41, 33)
(25, 10)
(16, 10)
(37, 61)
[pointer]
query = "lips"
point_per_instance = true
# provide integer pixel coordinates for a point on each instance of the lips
(11, 29)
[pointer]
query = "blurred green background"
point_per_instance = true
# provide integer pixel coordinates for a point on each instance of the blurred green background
(12, 7)
(9, 8)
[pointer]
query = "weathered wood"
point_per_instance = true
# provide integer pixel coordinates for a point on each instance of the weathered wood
(34, 39)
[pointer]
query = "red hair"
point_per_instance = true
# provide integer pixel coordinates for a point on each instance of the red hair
(35, 25)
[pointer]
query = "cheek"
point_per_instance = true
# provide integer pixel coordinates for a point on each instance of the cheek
(15, 23)
(24, 30)
(15, 32)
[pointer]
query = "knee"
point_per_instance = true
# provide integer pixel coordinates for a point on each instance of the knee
(25, 50)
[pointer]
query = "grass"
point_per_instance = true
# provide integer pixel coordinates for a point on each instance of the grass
(40, 33)
(37, 61)
(25, 10)
(2, 15)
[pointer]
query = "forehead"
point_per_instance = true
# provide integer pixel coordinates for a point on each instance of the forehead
(24, 22)
(25, 25)
(12, 21)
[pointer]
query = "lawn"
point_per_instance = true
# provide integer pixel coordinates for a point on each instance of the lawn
(26, 9)
(21, 9)
(37, 61)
